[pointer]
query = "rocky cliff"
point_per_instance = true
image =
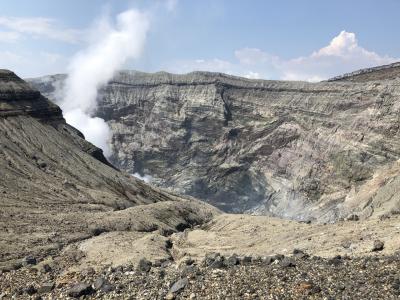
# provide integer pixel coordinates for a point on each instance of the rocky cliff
(290, 149)
(57, 189)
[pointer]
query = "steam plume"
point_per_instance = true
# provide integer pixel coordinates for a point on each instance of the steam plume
(112, 45)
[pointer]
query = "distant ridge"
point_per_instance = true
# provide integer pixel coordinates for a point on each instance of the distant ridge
(384, 72)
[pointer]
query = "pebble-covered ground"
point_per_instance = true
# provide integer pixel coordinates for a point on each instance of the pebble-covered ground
(216, 277)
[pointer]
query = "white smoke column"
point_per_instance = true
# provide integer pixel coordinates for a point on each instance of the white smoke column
(93, 67)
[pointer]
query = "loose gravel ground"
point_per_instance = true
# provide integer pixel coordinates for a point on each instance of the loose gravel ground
(216, 277)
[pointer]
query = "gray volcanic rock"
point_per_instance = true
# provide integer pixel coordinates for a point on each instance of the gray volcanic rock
(291, 149)
(57, 189)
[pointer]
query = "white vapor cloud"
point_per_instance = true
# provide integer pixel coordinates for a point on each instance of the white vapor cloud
(111, 46)
(145, 178)
(38, 27)
(343, 54)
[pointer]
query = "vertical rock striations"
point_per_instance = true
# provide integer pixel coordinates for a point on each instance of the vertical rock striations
(291, 149)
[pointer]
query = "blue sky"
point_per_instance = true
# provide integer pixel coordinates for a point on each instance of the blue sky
(294, 40)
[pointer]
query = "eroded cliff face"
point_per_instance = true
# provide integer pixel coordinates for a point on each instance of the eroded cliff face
(290, 149)
(57, 189)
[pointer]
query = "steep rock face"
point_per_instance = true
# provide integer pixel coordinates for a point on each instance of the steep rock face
(292, 149)
(55, 191)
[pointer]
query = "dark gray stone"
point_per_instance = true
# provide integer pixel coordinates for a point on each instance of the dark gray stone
(144, 265)
(210, 258)
(46, 288)
(218, 263)
(287, 262)
(299, 253)
(31, 290)
(245, 260)
(29, 260)
(80, 289)
(179, 285)
(101, 284)
(232, 260)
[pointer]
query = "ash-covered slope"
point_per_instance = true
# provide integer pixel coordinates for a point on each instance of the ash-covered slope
(291, 149)
(57, 189)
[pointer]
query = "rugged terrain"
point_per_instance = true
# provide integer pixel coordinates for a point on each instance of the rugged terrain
(73, 226)
(57, 189)
(305, 151)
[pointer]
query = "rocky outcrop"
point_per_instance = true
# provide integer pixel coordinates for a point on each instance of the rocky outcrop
(17, 98)
(290, 149)
(56, 188)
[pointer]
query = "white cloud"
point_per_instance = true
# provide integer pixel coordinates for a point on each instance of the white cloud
(342, 55)
(39, 27)
(9, 36)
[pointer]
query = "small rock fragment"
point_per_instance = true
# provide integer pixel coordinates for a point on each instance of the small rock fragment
(245, 260)
(144, 265)
(378, 246)
(210, 258)
(299, 253)
(170, 296)
(287, 262)
(46, 288)
(99, 283)
(29, 260)
(80, 289)
(232, 260)
(267, 260)
(30, 290)
(353, 217)
(218, 263)
(179, 285)
(337, 260)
